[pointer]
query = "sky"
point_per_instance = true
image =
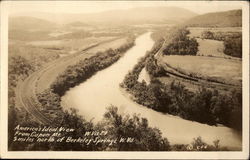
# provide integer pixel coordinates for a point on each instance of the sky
(200, 7)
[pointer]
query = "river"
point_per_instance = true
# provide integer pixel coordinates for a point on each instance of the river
(92, 97)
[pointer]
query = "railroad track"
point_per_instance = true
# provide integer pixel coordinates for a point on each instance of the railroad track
(198, 81)
(28, 102)
(27, 90)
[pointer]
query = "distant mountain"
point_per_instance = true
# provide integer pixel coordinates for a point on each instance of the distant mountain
(78, 24)
(128, 16)
(29, 23)
(232, 18)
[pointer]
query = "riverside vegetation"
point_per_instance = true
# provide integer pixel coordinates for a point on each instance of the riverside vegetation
(78, 73)
(205, 106)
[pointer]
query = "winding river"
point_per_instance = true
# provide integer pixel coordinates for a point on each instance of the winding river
(92, 97)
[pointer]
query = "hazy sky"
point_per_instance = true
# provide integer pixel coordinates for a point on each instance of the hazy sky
(98, 6)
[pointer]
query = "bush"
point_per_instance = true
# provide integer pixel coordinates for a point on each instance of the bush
(153, 69)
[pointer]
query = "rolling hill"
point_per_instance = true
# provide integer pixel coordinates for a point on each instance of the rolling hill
(232, 18)
(126, 16)
(29, 28)
(29, 23)
(78, 24)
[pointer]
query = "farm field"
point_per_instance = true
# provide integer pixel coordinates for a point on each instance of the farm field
(41, 52)
(68, 44)
(194, 86)
(208, 47)
(219, 69)
(214, 48)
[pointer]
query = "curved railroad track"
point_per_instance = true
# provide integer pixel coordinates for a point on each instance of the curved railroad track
(27, 90)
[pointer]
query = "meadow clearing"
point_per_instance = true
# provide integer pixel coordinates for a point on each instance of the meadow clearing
(208, 47)
(211, 68)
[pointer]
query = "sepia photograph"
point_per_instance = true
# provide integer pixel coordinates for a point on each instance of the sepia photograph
(125, 79)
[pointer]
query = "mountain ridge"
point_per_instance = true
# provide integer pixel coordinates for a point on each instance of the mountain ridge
(29, 23)
(231, 18)
(131, 16)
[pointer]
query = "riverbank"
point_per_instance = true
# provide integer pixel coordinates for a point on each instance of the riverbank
(40, 81)
(84, 69)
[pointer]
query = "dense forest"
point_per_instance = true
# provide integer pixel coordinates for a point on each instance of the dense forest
(179, 43)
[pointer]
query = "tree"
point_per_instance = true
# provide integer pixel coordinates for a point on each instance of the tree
(20, 66)
(233, 46)
(207, 35)
(178, 43)
(145, 137)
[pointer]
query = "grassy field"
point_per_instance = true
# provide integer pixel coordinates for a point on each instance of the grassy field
(213, 48)
(208, 47)
(41, 52)
(210, 68)
(69, 44)
(195, 86)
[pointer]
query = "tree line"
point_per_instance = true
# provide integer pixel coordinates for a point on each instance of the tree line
(84, 69)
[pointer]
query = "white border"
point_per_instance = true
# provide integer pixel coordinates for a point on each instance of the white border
(4, 153)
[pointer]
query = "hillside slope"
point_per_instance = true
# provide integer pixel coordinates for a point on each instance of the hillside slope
(232, 18)
(29, 23)
(126, 16)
